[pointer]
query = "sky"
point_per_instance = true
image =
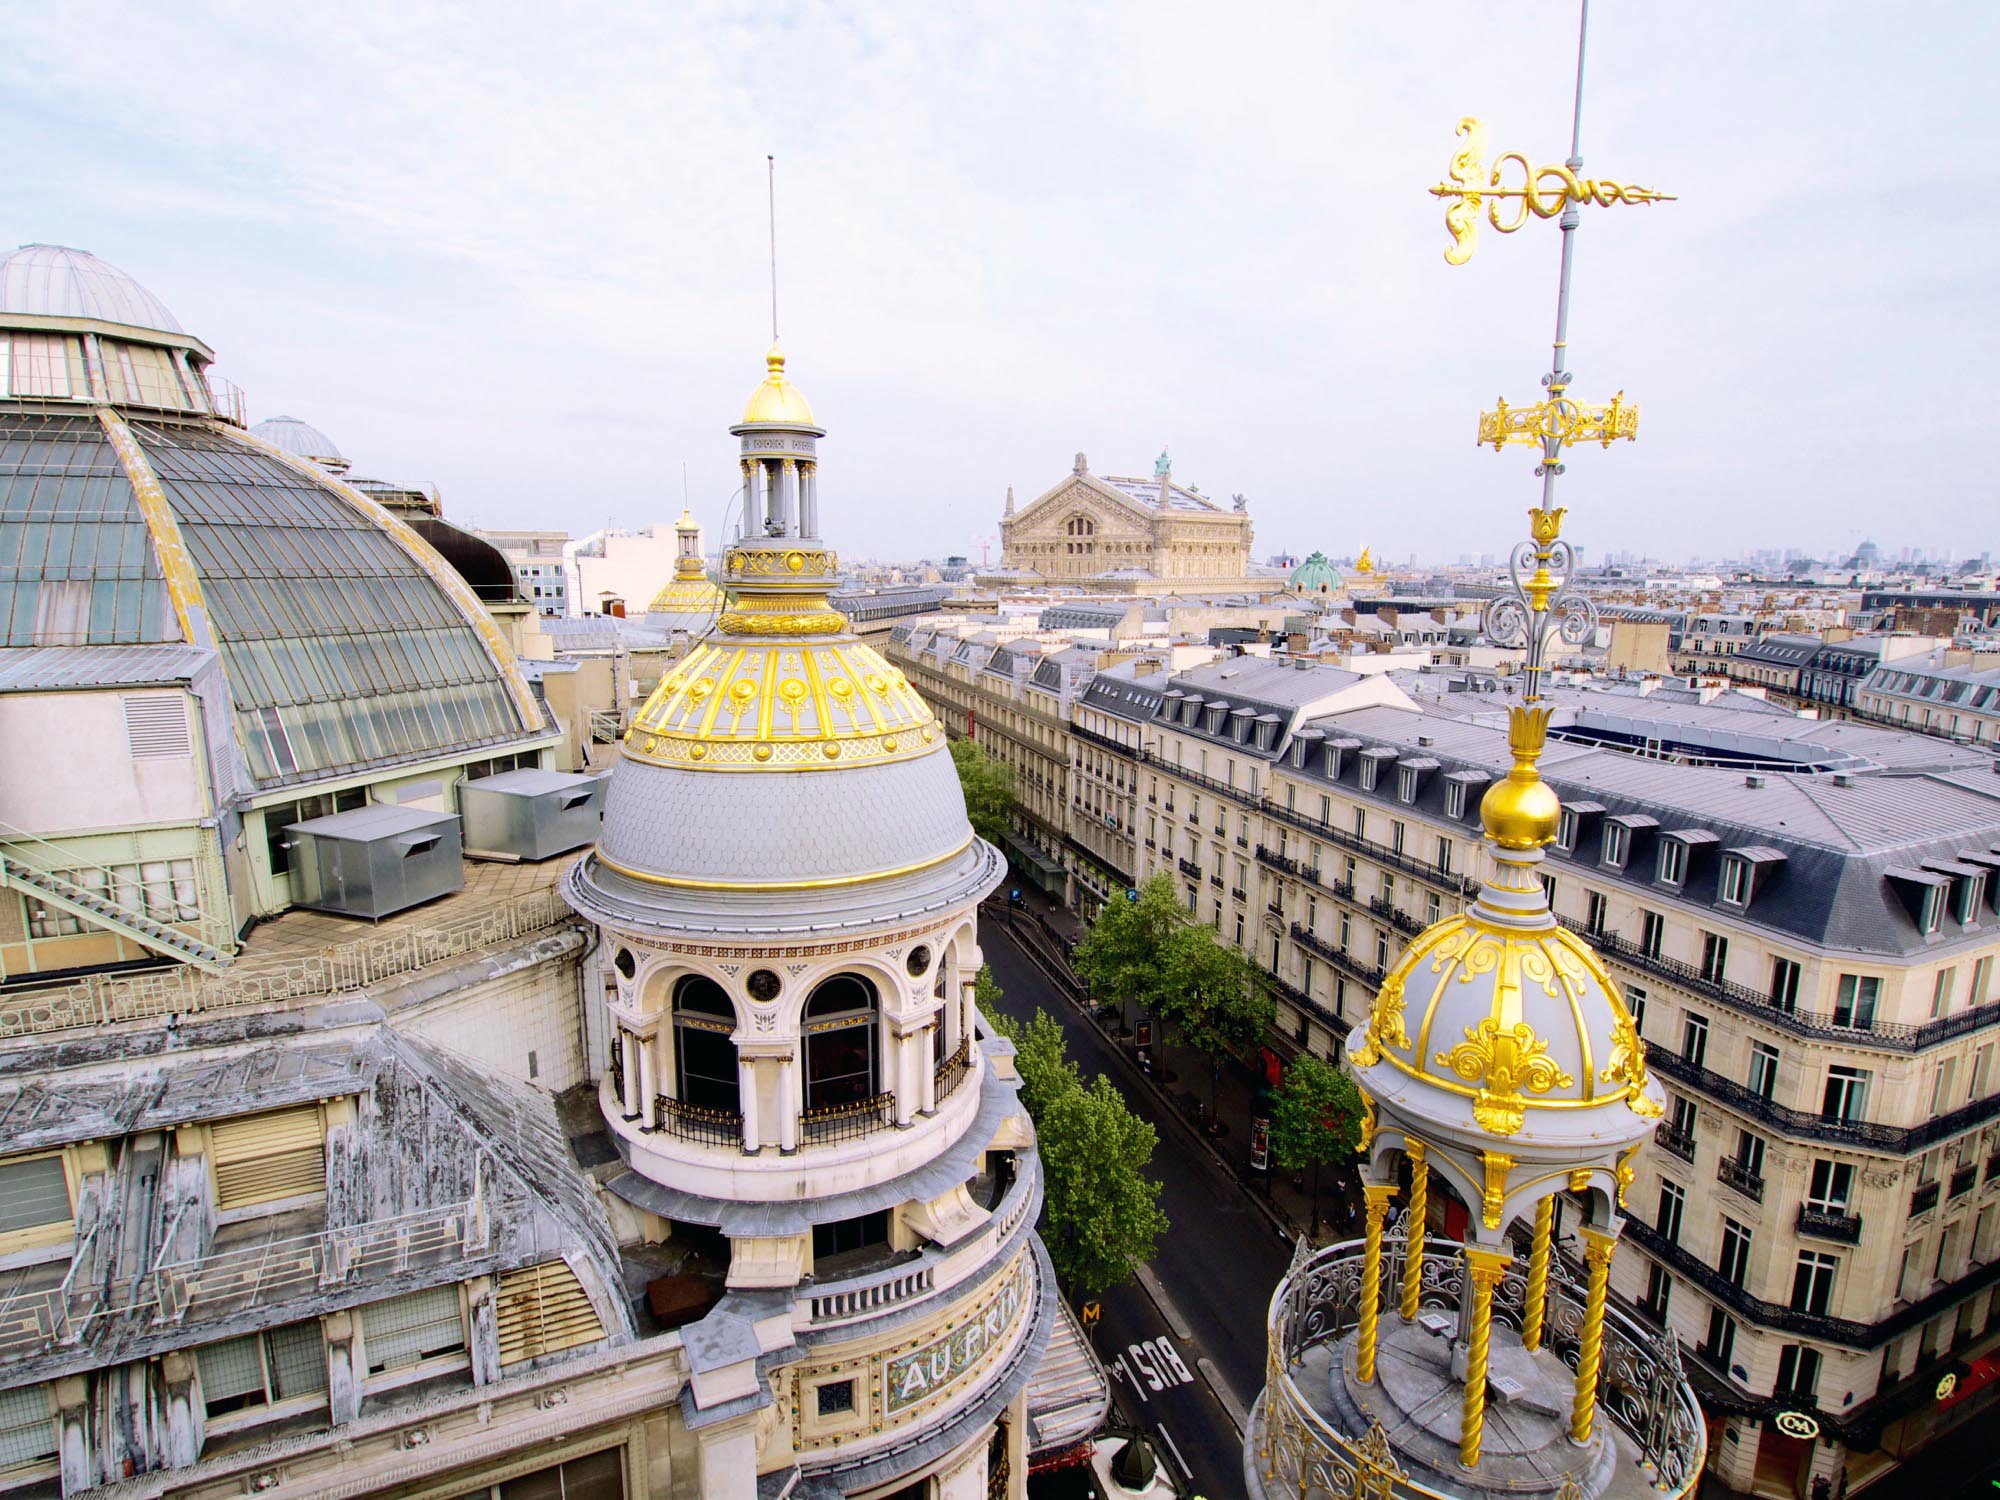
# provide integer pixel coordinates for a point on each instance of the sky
(521, 251)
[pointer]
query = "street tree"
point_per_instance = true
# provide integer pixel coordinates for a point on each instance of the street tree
(1101, 1217)
(989, 790)
(1315, 1119)
(1101, 1212)
(1215, 1000)
(1120, 958)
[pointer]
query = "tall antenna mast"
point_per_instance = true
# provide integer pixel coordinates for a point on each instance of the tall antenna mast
(771, 169)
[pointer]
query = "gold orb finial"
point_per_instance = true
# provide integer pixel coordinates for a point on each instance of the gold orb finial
(1521, 811)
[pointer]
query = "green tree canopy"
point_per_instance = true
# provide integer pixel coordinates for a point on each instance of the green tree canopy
(1101, 1216)
(989, 790)
(1214, 1000)
(1120, 957)
(1315, 1114)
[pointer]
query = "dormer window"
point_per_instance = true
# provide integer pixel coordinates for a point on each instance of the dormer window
(1733, 886)
(1672, 869)
(1406, 785)
(1617, 844)
(1566, 831)
(1970, 891)
(1931, 915)
(1454, 800)
(1267, 733)
(1926, 895)
(1370, 766)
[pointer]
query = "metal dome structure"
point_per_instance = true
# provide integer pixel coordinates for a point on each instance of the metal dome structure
(302, 440)
(55, 281)
(1316, 576)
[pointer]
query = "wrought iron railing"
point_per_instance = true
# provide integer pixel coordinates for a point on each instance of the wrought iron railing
(1340, 958)
(951, 1072)
(1732, 1173)
(1901, 1139)
(1923, 1200)
(1679, 1142)
(1299, 1452)
(690, 1122)
(847, 1122)
(1886, 1036)
(1826, 1225)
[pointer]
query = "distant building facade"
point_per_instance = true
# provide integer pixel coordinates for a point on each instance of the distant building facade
(1129, 535)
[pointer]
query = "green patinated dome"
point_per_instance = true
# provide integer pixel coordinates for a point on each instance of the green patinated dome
(1316, 576)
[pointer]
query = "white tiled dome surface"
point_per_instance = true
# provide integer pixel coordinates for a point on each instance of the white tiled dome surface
(769, 827)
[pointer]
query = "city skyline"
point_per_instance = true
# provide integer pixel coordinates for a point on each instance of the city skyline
(974, 254)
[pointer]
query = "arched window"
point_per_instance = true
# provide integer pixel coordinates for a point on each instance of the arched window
(704, 1056)
(841, 1065)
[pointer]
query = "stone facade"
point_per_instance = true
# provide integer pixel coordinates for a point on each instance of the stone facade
(1128, 535)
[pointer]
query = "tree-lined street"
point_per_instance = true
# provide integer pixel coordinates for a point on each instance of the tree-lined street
(1216, 1268)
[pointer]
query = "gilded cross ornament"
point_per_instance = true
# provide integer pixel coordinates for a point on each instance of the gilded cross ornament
(1518, 187)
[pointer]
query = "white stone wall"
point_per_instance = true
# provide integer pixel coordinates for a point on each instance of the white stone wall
(527, 1024)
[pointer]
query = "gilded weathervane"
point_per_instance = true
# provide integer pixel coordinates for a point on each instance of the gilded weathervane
(1541, 605)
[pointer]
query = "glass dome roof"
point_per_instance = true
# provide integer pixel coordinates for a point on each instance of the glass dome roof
(54, 281)
(300, 439)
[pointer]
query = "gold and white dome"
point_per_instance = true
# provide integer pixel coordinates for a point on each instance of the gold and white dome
(1499, 1039)
(782, 762)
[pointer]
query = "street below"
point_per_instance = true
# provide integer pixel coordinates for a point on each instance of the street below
(1216, 1267)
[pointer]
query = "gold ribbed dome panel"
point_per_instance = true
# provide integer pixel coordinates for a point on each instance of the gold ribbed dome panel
(737, 704)
(687, 596)
(1515, 1019)
(777, 399)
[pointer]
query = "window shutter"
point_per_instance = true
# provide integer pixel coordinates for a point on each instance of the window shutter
(543, 1309)
(230, 1368)
(33, 1193)
(298, 1360)
(27, 1431)
(413, 1327)
(156, 726)
(262, 1158)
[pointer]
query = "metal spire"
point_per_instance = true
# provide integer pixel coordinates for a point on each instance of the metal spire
(771, 175)
(1540, 606)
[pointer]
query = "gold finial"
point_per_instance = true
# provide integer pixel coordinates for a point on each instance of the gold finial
(1365, 563)
(1541, 191)
(1521, 811)
(774, 361)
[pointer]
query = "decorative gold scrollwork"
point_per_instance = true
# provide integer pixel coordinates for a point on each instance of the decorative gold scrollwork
(1543, 192)
(1503, 1062)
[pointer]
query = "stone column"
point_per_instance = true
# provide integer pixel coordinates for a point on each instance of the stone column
(185, 1411)
(1483, 1270)
(1597, 1248)
(1413, 1239)
(746, 1100)
(967, 1481)
(1533, 1315)
(343, 1381)
(1377, 1196)
(649, 1077)
(70, 1396)
(1734, 1456)
(485, 1341)
(808, 498)
(1017, 1447)
(791, 1097)
(788, 490)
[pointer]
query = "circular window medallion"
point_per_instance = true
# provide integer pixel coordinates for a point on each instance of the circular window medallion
(920, 960)
(1946, 1386)
(763, 985)
(625, 963)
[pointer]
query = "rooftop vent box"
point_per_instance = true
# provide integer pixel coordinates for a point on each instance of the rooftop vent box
(530, 814)
(375, 861)
(1753, 781)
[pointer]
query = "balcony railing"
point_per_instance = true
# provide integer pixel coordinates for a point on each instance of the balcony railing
(1732, 1173)
(1401, 920)
(1883, 1036)
(1382, 854)
(847, 1122)
(1340, 958)
(1298, 1451)
(951, 1072)
(1190, 869)
(1823, 1224)
(1923, 1200)
(1963, 1180)
(1902, 1140)
(688, 1122)
(1679, 1142)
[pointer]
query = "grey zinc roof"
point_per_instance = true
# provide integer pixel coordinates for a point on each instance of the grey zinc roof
(30, 669)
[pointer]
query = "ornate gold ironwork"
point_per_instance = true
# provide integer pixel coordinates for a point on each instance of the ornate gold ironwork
(1559, 420)
(1625, 1173)
(1543, 192)
(1503, 1061)
(1627, 1065)
(1496, 1164)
